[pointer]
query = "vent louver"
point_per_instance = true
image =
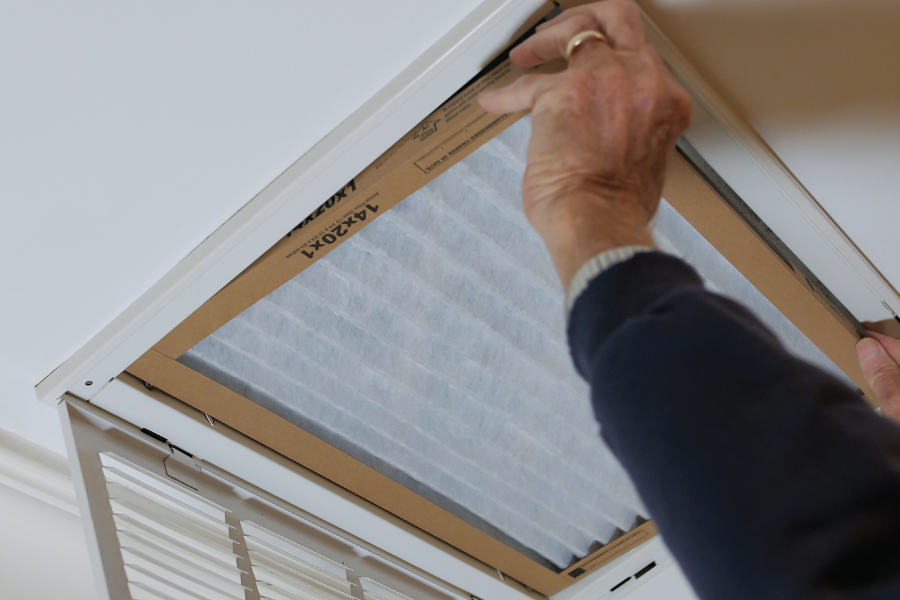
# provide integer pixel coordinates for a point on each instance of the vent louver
(174, 544)
(285, 570)
(372, 590)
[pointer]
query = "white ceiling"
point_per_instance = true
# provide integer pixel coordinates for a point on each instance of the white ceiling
(132, 131)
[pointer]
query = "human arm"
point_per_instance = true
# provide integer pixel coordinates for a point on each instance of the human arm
(767, 477)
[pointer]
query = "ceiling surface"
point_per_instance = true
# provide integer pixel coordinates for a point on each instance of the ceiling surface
(132, 131)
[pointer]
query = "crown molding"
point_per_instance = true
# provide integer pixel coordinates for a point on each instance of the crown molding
(37, 473)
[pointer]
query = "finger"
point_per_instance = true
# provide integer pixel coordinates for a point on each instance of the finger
(560, 17)
(519, 95)
(563, 16)
(679, 93)
(891, 345)
(624, 14)
(617, 19)
(551, 43)
(882, 374)
(662, 67)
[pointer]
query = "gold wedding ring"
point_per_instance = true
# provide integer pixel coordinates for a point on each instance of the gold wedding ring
(581, 38)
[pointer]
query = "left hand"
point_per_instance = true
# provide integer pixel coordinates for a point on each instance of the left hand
(879, 356)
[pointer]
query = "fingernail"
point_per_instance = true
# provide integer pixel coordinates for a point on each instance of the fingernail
(867, 348)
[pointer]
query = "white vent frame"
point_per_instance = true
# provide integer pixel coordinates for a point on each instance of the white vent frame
(254, 468)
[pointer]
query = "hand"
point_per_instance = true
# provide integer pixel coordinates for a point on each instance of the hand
(602, 132)
(879, 356)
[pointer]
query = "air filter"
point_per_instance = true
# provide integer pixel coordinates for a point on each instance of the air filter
(431, 347)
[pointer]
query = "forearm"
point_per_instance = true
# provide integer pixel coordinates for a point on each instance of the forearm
(578, 225)
(767, 477)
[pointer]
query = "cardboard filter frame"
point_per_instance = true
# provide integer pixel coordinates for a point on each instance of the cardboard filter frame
(441, 140)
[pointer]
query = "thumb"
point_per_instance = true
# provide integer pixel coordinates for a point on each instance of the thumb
(883, 375)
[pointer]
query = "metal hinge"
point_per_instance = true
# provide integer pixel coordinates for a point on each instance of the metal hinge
(181, 467)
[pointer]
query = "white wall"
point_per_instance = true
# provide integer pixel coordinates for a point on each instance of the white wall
(43, 553)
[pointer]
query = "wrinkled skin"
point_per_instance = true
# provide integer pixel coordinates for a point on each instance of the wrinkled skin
(879, 356)
(602, 132)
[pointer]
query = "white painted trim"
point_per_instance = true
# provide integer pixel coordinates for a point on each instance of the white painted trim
(37, 473)
(271, 472)
(100, 544)
(738, 154)
(597, 584)
(341, 155)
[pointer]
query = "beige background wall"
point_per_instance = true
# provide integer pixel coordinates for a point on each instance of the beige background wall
(820, 81)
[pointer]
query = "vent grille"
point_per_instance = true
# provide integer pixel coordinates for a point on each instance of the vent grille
(372, 590)
(285, 570)
(174, 544)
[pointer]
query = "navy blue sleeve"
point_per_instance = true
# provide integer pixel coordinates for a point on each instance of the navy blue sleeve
(768, 478)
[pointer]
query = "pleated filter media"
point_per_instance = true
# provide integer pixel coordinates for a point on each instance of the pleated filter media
(431, 347)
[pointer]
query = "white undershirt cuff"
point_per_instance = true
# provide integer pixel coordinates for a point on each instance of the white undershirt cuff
(596, 265)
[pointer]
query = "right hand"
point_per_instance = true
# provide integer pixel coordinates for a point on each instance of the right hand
(602, 132)
(879, 358)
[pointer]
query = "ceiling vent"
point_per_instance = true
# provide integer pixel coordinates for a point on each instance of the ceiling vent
(430, 346)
